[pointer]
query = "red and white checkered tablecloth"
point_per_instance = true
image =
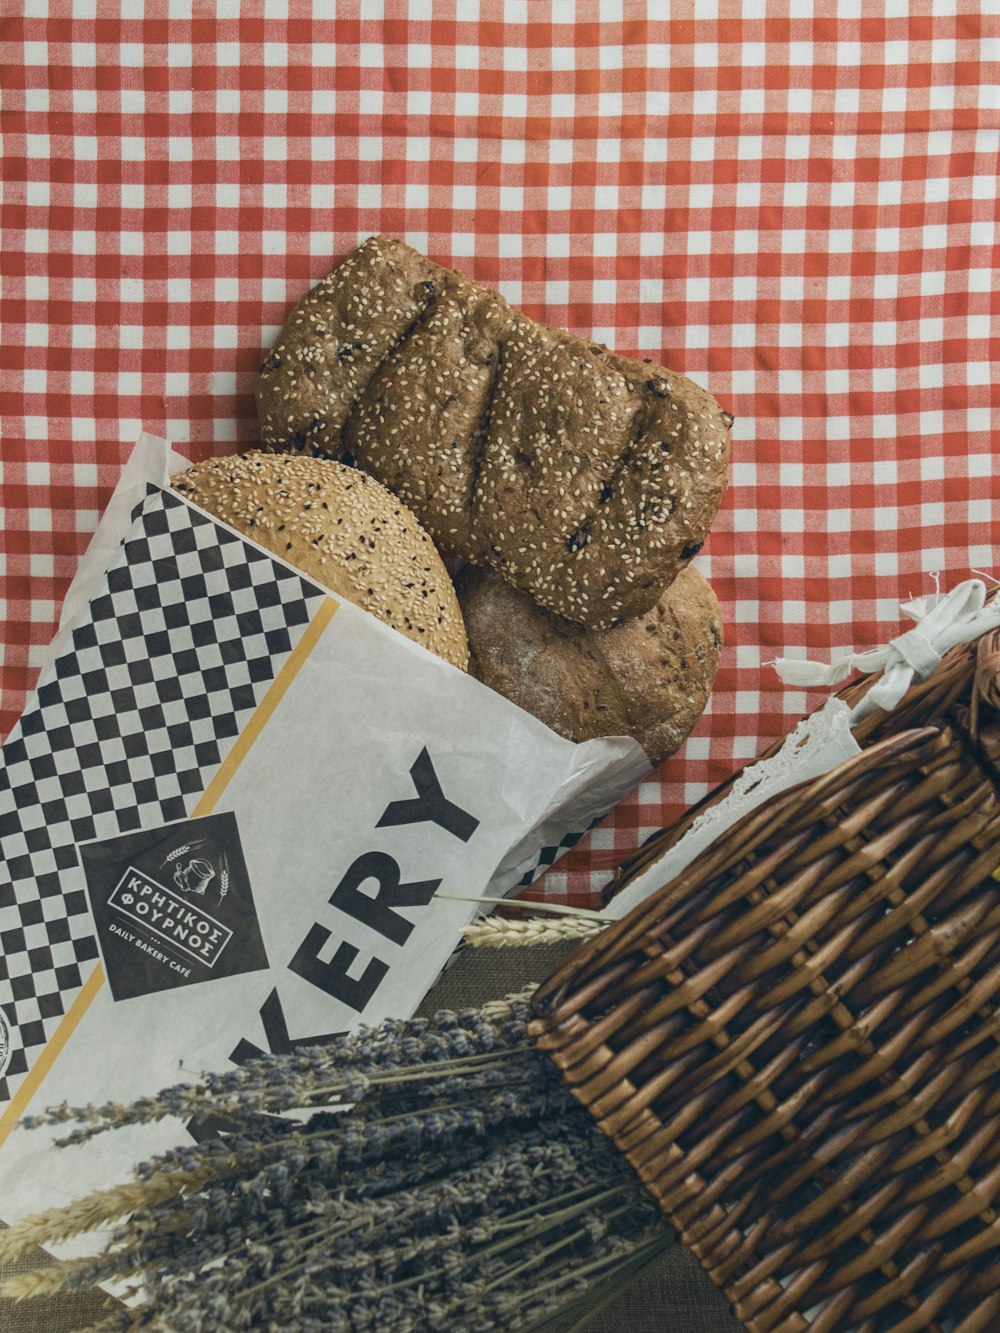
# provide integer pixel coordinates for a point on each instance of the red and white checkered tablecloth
(799, 210)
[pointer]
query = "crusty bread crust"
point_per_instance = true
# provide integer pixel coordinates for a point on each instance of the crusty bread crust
(343, 529)
(586, 479)
(649, 678)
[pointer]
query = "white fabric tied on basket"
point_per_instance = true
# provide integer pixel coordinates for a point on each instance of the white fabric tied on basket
(942, 621)
(825, 738)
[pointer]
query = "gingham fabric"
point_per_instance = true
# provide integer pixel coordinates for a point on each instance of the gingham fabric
(794, 205)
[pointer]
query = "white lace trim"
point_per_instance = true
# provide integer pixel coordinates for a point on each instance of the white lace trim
(804, 754)
(819, 742)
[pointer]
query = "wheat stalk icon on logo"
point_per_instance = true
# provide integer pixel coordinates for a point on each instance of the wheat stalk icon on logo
(180, 851)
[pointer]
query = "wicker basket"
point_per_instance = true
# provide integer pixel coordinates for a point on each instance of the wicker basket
(796, 1042)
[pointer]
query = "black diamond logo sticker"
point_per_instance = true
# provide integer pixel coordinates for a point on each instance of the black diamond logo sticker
(173, 906)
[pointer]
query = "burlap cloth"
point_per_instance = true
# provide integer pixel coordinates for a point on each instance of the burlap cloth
(675, 1297)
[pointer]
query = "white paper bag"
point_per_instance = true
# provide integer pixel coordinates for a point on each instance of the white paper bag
(229, 818)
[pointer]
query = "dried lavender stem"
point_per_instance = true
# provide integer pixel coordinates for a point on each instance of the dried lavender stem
(550, 1220)
(584, 1190)
(544, 1253)
(412, 1074)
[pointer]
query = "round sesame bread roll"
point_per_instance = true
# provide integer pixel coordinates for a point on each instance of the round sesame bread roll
(343, 529)
(649, 678)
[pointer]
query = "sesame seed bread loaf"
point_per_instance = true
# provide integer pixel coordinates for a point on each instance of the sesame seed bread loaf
(649, 678)
(586, 479)
(343, 529)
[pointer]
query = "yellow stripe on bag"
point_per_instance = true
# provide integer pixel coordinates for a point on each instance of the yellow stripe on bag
(267, 705)
(53, 1049)
(227, 769)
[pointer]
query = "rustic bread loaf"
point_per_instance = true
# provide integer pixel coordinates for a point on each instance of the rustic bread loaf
(649, 678)
(584, 478)
(343, 529)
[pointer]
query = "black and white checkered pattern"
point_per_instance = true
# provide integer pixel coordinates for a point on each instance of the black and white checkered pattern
(548, 856)
(125, 732)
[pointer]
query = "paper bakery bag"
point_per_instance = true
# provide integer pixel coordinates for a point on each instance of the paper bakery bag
(231, 819)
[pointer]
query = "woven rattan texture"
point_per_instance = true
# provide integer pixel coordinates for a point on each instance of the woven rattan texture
(796, 1042)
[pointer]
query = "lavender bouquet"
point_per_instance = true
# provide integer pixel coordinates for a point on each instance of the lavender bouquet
(447, 1179)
